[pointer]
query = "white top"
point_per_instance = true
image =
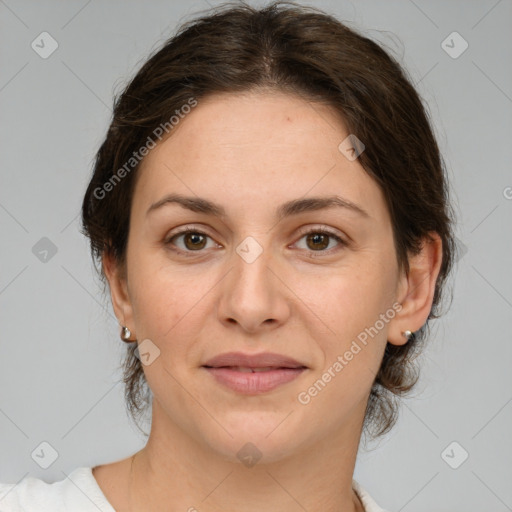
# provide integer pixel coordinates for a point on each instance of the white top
(80, 492)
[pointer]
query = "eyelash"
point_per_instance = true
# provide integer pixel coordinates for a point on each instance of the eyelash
(322, 231)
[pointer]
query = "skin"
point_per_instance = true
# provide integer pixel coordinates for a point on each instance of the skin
(297, 298)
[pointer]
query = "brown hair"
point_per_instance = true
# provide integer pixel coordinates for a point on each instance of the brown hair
(299, 50)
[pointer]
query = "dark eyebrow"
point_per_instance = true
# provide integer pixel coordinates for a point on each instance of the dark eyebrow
(294, 207)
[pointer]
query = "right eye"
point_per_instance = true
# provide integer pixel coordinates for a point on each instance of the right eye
(193, 240)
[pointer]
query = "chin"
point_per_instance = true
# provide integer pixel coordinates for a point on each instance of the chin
(257, 438)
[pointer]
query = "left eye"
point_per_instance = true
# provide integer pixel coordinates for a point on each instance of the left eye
(318, 240)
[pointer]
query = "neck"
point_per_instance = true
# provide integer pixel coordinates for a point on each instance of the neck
(174, 468)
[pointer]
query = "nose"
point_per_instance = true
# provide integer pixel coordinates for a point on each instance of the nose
(254, 294)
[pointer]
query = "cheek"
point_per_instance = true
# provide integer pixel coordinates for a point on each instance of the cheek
(169, 304)
(355, 307)
(158, 298)
(161, 311)
(353, 298)
(351, 306)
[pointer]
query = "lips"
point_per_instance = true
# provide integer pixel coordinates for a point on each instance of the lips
(249, 370)
(253, 374)
(253, 361)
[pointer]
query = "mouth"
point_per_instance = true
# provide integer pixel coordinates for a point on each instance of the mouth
(253, 374)
(248, 369)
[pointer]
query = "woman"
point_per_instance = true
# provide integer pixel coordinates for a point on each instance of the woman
(271, 214)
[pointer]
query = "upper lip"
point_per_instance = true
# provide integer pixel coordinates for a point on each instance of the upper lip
(264, 360)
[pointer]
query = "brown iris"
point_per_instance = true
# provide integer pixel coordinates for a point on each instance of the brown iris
(316, 238)
(195, 239)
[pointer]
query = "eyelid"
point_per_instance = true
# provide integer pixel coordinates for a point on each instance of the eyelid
(196, 228)
(322, 228)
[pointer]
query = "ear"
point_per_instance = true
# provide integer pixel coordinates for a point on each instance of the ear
(415, 291)
(116, 276)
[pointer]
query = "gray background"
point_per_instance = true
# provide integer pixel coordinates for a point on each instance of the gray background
(60, 346)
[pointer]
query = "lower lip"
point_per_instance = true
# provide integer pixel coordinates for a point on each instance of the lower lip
(254, 383)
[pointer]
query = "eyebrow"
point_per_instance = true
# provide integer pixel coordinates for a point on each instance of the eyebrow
(294, 207)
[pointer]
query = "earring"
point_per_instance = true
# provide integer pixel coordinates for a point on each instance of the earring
(407, 334)
(125, 335)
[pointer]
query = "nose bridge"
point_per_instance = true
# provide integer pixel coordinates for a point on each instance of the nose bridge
(251, 260)
(251, 296)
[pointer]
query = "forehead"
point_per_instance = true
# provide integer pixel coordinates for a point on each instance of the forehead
(259, 146)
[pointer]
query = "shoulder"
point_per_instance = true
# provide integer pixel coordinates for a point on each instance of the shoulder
(78, 491)
(368, 502)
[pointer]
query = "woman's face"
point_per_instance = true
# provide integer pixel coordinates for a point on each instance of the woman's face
(252, 281)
